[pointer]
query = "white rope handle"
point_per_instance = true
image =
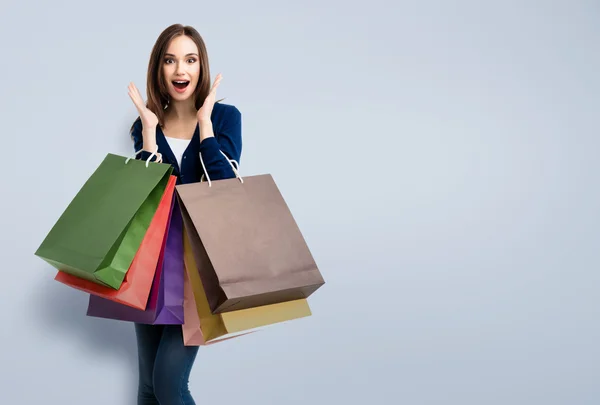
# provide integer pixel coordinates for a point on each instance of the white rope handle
(158, 156)
(231, 162)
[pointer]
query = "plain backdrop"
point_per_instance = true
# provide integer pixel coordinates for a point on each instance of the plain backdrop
(440, 158)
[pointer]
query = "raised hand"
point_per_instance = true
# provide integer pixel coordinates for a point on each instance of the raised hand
(149, 119)
(205, 111)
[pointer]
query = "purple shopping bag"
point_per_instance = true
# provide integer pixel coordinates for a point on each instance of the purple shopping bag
(165, 304)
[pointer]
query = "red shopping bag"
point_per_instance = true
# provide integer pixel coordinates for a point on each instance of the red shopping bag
(135, 289)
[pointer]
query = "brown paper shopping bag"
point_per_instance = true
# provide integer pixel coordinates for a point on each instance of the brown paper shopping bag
(202, 327)
(248, 247)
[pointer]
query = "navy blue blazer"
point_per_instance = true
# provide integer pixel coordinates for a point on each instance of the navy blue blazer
(227, 127)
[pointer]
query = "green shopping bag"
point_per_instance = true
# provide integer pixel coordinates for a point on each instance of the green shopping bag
(100, 231)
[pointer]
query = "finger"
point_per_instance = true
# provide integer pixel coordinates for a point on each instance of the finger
(134, 94)
(214, 88)
(136, 97)
(133, 89)
(217, 80)
(136, 103)
(133, 98)
(139, 97)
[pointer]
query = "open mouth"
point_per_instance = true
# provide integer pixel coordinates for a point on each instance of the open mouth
(180, 84)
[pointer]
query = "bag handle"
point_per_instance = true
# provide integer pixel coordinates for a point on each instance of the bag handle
(158, 156)
(231, 162)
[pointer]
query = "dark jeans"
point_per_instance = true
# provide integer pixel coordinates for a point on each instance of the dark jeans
(164, 365)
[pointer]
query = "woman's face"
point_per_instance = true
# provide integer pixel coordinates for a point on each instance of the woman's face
(181, 64)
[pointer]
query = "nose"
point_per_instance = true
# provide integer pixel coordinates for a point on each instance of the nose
(180, 69)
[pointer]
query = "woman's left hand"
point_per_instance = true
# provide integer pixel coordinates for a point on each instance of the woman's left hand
(205, 111)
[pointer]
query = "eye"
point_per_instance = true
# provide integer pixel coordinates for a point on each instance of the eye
(190, 60)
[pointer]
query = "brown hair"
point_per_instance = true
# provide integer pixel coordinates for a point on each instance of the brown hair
(156, 88)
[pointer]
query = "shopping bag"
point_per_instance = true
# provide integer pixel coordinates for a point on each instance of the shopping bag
(205, 327)
(165, 305)
(135, 289)
(98, 234)
(255, 252)
(192, 334)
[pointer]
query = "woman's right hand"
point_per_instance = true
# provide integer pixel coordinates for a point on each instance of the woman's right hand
(149, 119)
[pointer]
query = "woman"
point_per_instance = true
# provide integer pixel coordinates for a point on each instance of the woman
(180, 122)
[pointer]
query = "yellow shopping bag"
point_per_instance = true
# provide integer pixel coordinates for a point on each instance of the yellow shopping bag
(202, 327)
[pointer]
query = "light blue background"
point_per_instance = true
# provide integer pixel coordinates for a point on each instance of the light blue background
(440, 157)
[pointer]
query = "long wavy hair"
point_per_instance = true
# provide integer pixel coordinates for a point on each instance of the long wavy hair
(156, 87)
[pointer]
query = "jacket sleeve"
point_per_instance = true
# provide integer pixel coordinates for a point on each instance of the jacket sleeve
(138, 141)
(228, 139)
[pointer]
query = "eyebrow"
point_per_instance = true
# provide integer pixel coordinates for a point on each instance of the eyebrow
(189, 54)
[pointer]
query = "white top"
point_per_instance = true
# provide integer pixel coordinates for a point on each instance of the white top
(178, 146)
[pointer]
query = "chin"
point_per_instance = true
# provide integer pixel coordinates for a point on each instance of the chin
(180, 97)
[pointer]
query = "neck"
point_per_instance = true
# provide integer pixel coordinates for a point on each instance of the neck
(181, 110)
